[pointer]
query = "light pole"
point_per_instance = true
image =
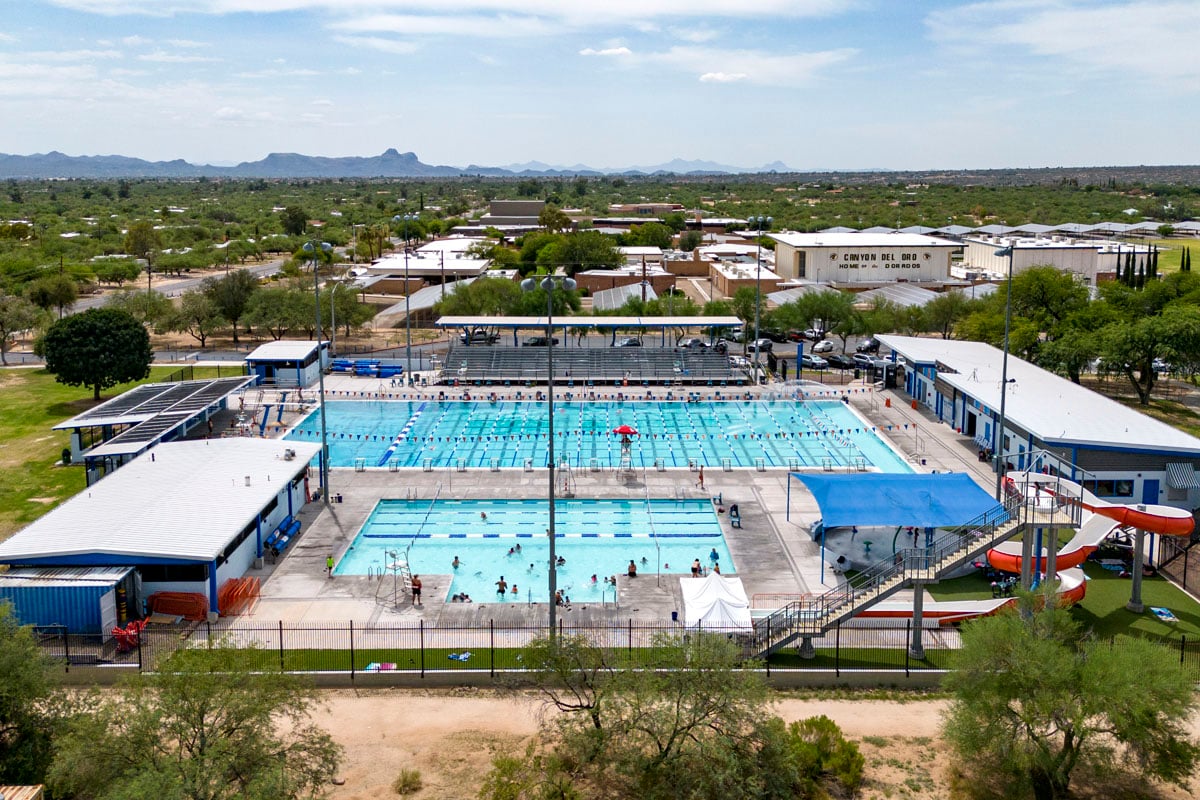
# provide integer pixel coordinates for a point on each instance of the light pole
(1004, 251)
(547, 283)
(406, 218)
(761, 223)
(314, 249)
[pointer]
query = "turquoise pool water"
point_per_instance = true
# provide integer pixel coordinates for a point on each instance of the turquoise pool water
(596, 537)
(782, 433)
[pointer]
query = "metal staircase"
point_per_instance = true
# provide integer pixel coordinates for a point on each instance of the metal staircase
(812, 617)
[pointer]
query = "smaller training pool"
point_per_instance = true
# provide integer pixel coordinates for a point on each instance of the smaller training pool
(596, 537)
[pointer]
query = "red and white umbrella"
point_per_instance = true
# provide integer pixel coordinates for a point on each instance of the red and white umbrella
(625, 430)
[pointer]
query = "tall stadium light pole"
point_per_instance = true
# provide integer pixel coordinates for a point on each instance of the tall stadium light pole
(547, 283)
(1004, 251)
(314, 249)
(406, 218)
(761, 223)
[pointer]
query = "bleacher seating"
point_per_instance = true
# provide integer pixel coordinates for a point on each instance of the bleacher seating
(589, 366)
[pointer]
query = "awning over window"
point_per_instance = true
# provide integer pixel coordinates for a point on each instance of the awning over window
(1181, 476)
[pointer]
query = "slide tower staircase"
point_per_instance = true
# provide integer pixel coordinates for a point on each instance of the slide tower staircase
(812, 617)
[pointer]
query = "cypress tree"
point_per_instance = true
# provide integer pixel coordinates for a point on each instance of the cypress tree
(1130, 278)
(1186, 263)
(1141, 276)
(1154, 263)
(1120, 275)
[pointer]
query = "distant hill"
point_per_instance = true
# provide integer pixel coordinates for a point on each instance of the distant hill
(389, 164)
(394, 164)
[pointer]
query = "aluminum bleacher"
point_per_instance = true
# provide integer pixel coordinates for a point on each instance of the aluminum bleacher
(583, 366)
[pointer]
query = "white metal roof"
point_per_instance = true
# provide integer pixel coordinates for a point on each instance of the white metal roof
(588, 322)
(1047, 405)
(614, 298)
(183, 500)
(283, 350)
(902, 294)
(63, 576)
(861, 239)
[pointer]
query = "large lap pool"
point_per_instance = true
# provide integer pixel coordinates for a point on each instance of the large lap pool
(450, 433)
(596, 537)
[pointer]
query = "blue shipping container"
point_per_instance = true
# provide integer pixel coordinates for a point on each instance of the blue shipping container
(82, 599)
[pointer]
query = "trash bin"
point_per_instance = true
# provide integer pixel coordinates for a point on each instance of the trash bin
(338, 497)
(857, 373)
(674, 616)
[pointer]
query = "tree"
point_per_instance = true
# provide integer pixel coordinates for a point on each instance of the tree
(53, 291)
(117, 270)
(578, 251)
(554, 219)
(149, 308)
(279, 310)
(691, 724)
(203, 727)
(230, 295)
(16, 315)
(141, 240)
(690, 240)
(99, 348)
(944, 311)
(651, 234)
(26, 696)
(1034, 699)
(294, 221)
(197, 316)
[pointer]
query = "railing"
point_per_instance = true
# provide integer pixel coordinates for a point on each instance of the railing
(812, 617)
(417, 649)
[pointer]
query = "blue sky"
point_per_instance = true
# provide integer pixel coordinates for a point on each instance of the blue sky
(815, 84)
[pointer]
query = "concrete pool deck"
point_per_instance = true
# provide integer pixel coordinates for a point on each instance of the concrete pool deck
(774, 555)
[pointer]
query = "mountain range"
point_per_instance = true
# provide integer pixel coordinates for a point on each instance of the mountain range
(389, 164)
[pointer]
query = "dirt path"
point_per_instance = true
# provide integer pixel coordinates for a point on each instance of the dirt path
(451, 737)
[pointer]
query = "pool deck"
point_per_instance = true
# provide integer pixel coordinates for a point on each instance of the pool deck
(774, 554)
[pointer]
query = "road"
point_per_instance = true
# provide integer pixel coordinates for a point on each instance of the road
(173, 287)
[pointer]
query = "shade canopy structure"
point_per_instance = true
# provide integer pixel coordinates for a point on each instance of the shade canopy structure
(625, 430)
(715, 603)
(940, 500)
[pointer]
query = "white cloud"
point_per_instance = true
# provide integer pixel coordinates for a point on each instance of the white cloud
(163, 57)
(695, 35)
(239, 116)
(751, 66)
(134, 41)
(494, 27)
(62, 56)
(393, 46)
(298, 72)
(186, 43)
(7, 37)
(1088, 39)
(608, 51)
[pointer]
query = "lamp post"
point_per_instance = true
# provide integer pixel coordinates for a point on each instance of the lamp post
(314, 249)
(761, 223)
(406, 218)
(547, 283)
(999, 455)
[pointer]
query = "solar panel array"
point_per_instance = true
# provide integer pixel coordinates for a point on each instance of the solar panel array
(154, 410)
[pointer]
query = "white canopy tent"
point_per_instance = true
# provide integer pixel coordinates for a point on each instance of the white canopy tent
(715, 603)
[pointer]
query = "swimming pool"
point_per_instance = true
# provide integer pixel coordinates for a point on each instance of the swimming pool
(450, 433)
(596, 537)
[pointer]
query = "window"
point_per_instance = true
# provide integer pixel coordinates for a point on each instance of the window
(1110, 488)
(801, 264)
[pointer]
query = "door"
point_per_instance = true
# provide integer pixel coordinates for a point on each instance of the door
(1150, 492)
(108, 613)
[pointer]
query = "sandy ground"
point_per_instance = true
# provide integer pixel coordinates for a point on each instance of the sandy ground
(451, 736)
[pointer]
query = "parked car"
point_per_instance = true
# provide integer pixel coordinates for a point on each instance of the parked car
(841, 361)
(720, 346)
(478, 336)
(809, 361)
(868, 345)
(823, 346)
(538, 341)
(764, 345)
(795, 336)
(866, 361)
(694, 344)
(774, 335)
(631, 341)
(814, 334)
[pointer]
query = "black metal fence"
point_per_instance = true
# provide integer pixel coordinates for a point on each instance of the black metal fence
(421, 649)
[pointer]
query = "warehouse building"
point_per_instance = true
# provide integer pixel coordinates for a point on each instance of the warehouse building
(842, 259)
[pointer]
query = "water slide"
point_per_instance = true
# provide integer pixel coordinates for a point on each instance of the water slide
(1100, 519)
(1072, 588)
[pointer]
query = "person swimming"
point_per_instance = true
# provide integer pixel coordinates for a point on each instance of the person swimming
(456, 563)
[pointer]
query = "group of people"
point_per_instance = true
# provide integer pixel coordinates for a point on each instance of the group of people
(561, 599)
(714, 561)
(461, 597)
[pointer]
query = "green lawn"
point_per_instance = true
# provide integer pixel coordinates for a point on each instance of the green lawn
(1103, 609)
(31, 403)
